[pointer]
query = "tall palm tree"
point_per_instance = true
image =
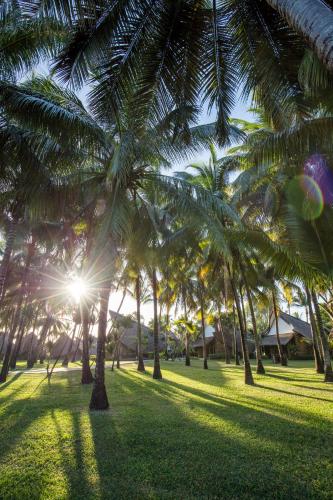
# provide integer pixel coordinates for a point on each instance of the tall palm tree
(315, 336)
(212, 179)
(323, 340)
(26, 41)
(99, 399)
(141, 365)
(179, 55)
(313, 20)
(120, 157)
(260, 366)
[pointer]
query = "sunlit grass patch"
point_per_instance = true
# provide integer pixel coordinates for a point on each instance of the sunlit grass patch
(195, 434)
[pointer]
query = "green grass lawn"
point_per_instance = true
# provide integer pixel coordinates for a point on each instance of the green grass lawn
(196, 434)
(22, 365)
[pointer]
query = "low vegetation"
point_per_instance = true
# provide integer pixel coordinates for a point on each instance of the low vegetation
(197, 434)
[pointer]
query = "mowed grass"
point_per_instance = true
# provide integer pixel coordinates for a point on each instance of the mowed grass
(196, 434)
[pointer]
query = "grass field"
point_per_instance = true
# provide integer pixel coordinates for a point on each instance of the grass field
(197, 434)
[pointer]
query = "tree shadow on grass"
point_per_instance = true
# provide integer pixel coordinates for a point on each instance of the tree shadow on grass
(170, 444)
(266, 403)
(164, 439)
(289, 393)
(243, 401)
(19, 418)
(12, 379)
(314, 379)
(214, 376)
(73, 456)
(328, 388)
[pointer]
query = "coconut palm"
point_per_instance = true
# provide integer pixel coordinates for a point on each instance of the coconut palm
(296, 216)
(313, 20)
(213, 179)
(179, 55)
(26, 41)
(120, 160)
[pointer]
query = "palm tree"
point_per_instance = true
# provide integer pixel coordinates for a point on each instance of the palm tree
(212, 180)
(202, 307)
(314, 21)
(26, 41)
(282, 356)
(323, 340)
(317, 351)
(157, 374)
(22, 294)
(122, 155)
(141, 366)
(99, 399)
(179, 55)
(293, 220)
(260, 366)
(4, 266)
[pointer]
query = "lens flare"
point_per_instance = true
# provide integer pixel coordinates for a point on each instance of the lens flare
(305, 196)
(77, 289)
(316, 168)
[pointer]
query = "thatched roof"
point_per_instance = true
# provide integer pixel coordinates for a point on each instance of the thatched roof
(129, 335)
(62, 346)
(199, 342)
(271, 340)
(26, 343)
(297, 327)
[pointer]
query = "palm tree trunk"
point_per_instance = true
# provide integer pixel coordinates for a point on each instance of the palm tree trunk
(79, 338)
(313, 20)
(69, 350)
(31, 359)
(86, 375)
(118, 355)
(141, 365)
(247, 367)
(17, 347)
(167, 332)
(10, 340)
(243, 309)
(319, 363)
(99, 398)
(4, 267)
(237, 362)
(260, 366)
(226, 346)
(203, 330)
(220, 328)
(18, 311)
(7, 325)
(187, 349)
(42, 337)
(307, 314)
(2, 343)
(283, 359)
(187, 337)
(157, 368)
(324, 341)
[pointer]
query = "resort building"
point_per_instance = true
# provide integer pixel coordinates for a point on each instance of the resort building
(295, 337)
